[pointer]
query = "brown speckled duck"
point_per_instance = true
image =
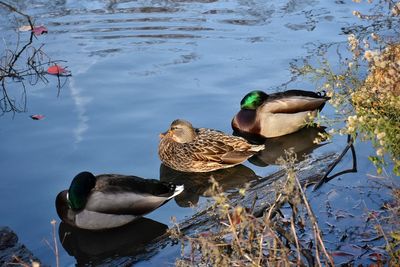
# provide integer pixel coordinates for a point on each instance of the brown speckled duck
(189, 149)
(277, 114)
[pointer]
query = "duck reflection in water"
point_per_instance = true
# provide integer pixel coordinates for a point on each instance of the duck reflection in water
(95, 247)
(198, 184)
(301, 142)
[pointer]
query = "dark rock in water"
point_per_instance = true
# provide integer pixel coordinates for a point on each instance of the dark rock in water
(8, 238)
(13, 253)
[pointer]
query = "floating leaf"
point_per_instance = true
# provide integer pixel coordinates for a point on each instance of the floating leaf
(37, 117)
(56, 70)
(39, 30)
(25, 28)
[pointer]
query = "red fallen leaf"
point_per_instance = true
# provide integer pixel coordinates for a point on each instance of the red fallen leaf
(56, 70)
(205, 234)
(39, 30)
(37, 117)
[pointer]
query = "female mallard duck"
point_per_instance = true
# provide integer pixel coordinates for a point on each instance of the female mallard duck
(277, 114)
(188, 149)
(111, 200)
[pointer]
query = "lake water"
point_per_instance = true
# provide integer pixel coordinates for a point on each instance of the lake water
(136, 66)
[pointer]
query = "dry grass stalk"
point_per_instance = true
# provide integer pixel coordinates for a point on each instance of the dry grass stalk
(54, 247)
(241, 239)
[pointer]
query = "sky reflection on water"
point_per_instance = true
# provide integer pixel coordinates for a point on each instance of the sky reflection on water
(136, 66)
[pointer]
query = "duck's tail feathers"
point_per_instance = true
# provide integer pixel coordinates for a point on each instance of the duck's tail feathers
(322, 94)
(178, 190)
(257, 148)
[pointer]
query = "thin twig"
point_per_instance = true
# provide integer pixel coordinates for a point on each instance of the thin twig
(19, 262)
(296, 240)
(13, 9)
(305, 252)
(260, 253)
(317, 231)
(233, 230)
(53, 223)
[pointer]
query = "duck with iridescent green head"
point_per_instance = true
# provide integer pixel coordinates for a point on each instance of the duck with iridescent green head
(277, 114)
(111, 200)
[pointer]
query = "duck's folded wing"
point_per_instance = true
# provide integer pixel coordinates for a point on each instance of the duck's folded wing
(293, 104)
(124, 203)
(119, 194)
(236, 157)
(115, 183)
(219, 151)
(209, 150)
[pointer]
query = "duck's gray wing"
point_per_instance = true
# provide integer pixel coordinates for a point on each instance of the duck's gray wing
(116, 194)
(294, 101)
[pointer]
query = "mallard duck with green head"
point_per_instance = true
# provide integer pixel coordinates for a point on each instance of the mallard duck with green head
(111, 200)
(188, 149)
(277, 114)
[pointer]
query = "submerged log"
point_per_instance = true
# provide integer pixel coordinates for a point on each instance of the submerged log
(260, 194)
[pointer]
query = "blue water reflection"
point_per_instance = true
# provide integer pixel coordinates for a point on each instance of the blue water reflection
(136, 66)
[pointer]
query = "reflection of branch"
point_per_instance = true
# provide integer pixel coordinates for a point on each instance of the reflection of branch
(292, 239)
(17, 55)
(6, 103)
(13, 9)
(327, 178)
(34, 67)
